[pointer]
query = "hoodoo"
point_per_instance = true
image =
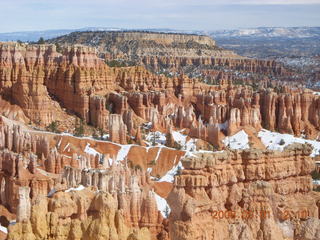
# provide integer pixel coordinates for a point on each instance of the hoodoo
(154, 136)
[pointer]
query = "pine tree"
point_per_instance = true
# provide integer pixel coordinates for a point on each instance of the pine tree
(79, 130)
(169, 140)
(167, 211)
(41, 41)
(53, 127)
(101, 133)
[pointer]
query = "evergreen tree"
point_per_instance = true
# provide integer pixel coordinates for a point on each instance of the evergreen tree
(41, 41)
(167, 211)
(53, 127)
(169, 140)
(58, 48)
(79, 129)
(101, 133)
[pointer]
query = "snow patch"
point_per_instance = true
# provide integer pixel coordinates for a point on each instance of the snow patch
(223, 126)
(91, 151)
(3, 229)
(316, 182)
(123, 153)
(169, 176)
(157, 137)
(163, 206)
(158, 154)
(52, 191)
(278, 141)
(110, 161)
(66, 147)
(147, 125)
(239, 140)
(79, 188)
(59, 143)
(179, 137)
(12, 222)
(188, 146)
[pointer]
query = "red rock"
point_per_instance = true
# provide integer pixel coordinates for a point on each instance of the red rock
(117, 129)
(249, 180)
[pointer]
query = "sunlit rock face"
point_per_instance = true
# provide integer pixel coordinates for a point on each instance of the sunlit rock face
(155, 147)
(247, 194)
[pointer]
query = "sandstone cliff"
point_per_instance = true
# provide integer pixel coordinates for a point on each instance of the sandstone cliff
(49, 86)
(168, 52)
(249, 194)
(111, 186)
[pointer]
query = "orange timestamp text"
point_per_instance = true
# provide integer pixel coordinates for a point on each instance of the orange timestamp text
(241, 214)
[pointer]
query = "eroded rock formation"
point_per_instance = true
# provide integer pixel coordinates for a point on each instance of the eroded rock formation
(173, 52)
(79, 81)
(259, 187)
(42, 174)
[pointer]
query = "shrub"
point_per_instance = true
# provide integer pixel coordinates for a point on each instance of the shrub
(179, 171)
(167, 211)
(130, 164)
(102, 158)
(53, 127)
(177, 146)
(79, 129)
(41, 41)
(115, 63)
(169, 140)
(58, 48)
(101, 132)
(315, 175)
(38, 121)
(154, 138)
(137, 167)
(282, 142)
(152, 163)
(95, 134)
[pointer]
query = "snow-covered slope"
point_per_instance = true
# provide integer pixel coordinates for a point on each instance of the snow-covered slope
(79, 188)
(162, 205)
(270, 32)
(169, 177)
(239, 140)
(47, 34)
(278, 141)
(3, 229)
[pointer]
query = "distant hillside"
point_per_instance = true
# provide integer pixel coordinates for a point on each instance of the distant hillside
(124, 44)
(28, 36)
(271, 42)
(158, 51)
(264, 42)
(269, 32)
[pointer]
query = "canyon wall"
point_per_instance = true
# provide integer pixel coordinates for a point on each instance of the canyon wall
(269, 193)
(39, 185)
(287, 111)
(169, 52)
(50, 86)
(249, 194)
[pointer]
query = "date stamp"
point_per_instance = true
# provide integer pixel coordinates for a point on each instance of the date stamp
(300, 214)
(262, 214)
(241, 214)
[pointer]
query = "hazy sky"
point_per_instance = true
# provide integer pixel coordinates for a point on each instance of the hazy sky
(23, 15)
